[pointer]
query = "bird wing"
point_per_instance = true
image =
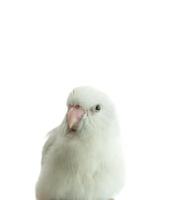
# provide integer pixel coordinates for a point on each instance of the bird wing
(48, 144)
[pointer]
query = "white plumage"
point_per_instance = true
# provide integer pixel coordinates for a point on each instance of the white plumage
(81, 159)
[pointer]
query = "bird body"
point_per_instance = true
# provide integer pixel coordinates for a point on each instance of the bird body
(85, 162)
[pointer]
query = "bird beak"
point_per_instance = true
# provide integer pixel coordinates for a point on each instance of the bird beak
(74, 115)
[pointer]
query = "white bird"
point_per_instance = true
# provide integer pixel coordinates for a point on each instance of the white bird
(82, 160)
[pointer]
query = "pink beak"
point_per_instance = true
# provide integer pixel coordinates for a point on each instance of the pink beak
(74, 115)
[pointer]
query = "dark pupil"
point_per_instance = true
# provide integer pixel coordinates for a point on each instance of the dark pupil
(98, 107)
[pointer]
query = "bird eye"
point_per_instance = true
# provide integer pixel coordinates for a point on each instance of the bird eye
(98, 107)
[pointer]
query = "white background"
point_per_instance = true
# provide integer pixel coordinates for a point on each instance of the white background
(138, 52)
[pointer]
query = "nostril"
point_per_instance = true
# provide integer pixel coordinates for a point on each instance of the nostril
(69, 106)
(77, 106)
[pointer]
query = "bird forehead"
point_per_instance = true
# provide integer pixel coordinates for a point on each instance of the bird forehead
(84, 101)
(85, 98)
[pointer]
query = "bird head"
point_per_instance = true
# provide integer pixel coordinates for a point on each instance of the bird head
(89, 110)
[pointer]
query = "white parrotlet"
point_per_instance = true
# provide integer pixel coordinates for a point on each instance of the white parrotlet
(81, 159)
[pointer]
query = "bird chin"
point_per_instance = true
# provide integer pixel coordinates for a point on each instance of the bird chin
(73, 130)
(76, 129)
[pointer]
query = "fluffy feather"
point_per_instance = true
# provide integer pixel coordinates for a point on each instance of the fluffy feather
(86, 164)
